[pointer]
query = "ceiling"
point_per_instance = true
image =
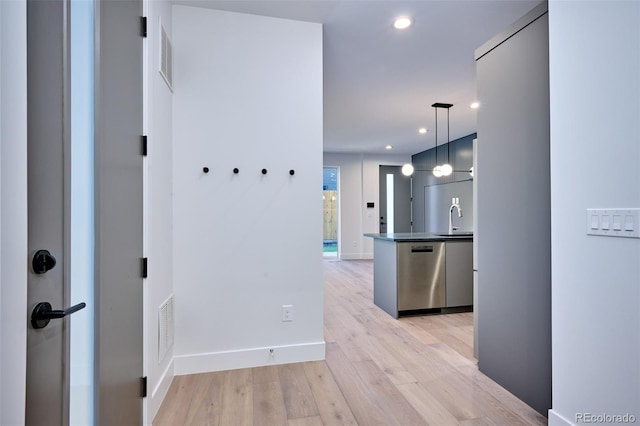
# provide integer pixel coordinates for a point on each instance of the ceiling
(379, 82)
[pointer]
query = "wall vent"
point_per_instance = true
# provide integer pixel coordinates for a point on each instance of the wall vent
(166, 57)
(165, 328)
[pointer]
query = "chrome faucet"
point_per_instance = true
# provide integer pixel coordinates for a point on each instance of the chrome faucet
(455, 203)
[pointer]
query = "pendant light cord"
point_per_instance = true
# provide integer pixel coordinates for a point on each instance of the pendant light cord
(448, 139)
(436, 108)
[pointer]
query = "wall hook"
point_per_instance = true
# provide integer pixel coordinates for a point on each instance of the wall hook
(205, 169)
(292, 172)
(264, 171)
(236, 171)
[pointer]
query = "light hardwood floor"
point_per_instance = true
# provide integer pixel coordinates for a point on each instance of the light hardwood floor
(378, 371)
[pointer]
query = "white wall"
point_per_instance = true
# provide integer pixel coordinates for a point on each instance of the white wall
(158, 204)
(595, 152)
(2, 337)
(13, 211)
(359, 183)
(248, 94)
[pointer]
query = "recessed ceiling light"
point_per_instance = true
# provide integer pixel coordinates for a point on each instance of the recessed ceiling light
(474, 105)
(402, 22)
(422, 130)
(388, 147)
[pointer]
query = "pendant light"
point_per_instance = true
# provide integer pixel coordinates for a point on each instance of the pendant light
(439, 170)
(407, 169)
(445, 169)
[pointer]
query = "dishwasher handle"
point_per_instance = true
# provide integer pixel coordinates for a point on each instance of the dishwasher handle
(422, 249)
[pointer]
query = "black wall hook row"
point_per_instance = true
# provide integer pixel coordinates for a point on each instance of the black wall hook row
(236, 171)
(292, 172)
(264, 171)
(205, 169)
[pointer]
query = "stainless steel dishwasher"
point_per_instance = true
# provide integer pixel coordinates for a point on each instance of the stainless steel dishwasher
(421, 275)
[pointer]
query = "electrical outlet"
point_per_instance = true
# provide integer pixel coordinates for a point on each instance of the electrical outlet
(287, 313)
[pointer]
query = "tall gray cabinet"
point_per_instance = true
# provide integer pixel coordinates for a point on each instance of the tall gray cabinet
(513, 210)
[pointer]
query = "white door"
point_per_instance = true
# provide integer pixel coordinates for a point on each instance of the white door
(117, 303)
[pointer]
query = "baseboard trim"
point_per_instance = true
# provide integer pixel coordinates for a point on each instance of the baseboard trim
(160, 391)
(556, 419)
(248, 358)
(356, 256)
(350, 256)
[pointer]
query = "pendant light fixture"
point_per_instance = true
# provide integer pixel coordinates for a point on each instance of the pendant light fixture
(445, 169)
(439, 170)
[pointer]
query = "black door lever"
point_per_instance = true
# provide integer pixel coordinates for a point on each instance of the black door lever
(43, 313)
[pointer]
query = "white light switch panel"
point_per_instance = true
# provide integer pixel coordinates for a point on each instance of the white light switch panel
(614, 222)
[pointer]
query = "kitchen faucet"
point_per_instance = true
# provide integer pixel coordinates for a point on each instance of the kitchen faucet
(455, 202)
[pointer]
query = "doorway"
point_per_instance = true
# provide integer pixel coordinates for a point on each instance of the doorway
(395, 200)
(330, 201)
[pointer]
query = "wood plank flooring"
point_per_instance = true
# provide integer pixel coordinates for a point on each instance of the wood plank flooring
(378, 371)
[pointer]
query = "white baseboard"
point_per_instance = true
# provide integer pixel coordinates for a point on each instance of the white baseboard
(248, 358)
(160, 391)
(350, 256)
(556, 419)
(356, 256)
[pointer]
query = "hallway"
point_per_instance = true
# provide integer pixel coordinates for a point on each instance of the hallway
(378, 371)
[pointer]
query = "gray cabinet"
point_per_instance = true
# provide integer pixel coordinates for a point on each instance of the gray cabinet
(459, 273)
(513, 210)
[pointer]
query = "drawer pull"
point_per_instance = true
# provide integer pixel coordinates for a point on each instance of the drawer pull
(422, 249)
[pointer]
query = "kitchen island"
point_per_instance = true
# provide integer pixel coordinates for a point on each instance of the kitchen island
(422, 272)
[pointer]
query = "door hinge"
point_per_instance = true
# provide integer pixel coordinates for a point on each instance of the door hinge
(144, 265)
(144, 145)
(143, 26)
(143, 387)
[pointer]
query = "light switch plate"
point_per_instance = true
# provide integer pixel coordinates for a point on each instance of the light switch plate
(287, 313)
(614, 222)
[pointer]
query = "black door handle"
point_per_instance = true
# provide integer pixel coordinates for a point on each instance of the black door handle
(43, 313)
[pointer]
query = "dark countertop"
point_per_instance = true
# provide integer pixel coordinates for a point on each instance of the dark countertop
(422, 236)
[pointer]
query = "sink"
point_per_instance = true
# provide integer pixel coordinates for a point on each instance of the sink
(457, 234)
